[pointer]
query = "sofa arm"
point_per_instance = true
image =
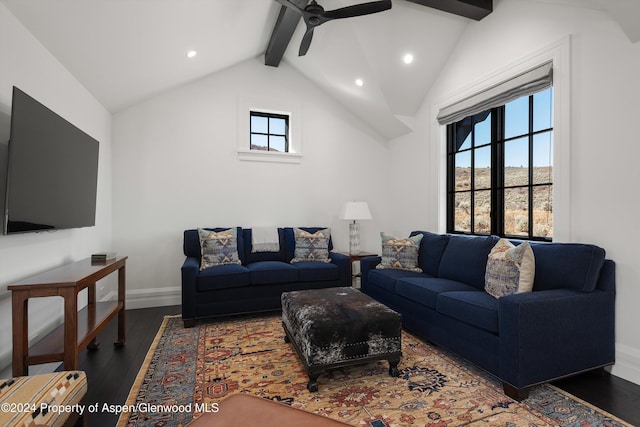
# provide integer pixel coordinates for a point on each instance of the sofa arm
(367, 264)
(342, 261)
(190, 269)
(546, 335)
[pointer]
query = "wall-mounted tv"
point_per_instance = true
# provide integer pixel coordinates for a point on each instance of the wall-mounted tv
(52, 171)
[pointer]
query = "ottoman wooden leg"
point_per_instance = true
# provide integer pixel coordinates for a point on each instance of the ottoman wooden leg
(312, 385)
(393, 367)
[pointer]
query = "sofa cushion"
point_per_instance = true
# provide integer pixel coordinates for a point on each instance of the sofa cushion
(265, 272)
(425, 290)
(465, 259)
(510, 269)
(250, 257)
(400, 253)
(222, 276)
(317, 271)
(432, 247)
(476, 308)
(567, 265)
(387, 278)
(311, 246)
(218, 247)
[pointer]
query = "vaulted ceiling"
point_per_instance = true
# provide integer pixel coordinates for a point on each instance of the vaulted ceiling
(124, 51)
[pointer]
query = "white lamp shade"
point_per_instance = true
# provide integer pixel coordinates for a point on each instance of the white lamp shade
(355, 211)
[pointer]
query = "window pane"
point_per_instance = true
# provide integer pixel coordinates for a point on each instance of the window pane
(482, 212)
(542, 158)
(483, 132)
(258, 124)
(277, 126)
(543, 211)
(463, 171)
(482, 170)
(516, 117)
(516, 211)
(542, 110)
(466, 144)
(463, 212)
(258, 142)
(277, 143)
(516, 162)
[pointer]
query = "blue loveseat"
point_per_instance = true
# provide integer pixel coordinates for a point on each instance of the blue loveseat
(563, 327)
(257, 283)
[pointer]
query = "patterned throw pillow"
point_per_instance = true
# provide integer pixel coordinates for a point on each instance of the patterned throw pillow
(400, 254)
(218, 248)
(510, 269)
(311, 246)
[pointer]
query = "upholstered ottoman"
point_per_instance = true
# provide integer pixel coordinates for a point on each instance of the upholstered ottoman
(336, 327)
(239, 410)
(51, 400)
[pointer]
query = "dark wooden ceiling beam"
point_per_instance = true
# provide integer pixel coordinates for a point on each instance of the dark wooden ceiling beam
(282, 32)
(474, 9)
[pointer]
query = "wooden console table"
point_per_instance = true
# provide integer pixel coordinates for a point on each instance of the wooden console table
(80, 328)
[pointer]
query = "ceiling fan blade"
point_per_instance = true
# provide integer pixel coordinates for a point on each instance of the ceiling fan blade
(291, 5)
(306, 42)
(357, 10)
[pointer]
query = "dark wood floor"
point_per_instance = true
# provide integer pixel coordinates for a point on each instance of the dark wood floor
(111, 372)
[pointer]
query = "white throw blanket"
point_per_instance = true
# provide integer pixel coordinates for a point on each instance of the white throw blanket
(265, 239)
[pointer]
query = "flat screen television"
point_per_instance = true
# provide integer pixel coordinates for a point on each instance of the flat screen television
(52, 171)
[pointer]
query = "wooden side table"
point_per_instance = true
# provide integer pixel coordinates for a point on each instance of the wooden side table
(80, 328)
(356, 258)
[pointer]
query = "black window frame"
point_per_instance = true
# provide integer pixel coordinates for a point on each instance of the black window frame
(497, 186)
(269, 134)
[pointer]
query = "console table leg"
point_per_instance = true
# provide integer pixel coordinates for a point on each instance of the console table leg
(121, 313)
(70, 357)
(20, 333)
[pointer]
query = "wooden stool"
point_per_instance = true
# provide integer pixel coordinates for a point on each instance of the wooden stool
(247, 410)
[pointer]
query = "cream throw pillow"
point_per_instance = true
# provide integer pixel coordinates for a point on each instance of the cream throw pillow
(510, 269)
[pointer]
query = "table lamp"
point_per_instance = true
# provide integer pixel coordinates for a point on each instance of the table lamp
(354, 211)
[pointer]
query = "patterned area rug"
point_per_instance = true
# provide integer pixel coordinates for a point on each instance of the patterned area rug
(189, 370)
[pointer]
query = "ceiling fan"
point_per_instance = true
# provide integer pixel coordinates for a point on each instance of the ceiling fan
(314, 15)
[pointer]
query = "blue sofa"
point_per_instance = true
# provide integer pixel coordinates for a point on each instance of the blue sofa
(565, 326)
(257, 283)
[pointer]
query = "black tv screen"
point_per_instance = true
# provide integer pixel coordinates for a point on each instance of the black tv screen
(52, 170)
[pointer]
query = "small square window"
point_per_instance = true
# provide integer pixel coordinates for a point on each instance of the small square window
(269, 132)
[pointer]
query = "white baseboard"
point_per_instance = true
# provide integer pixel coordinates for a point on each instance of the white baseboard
(627, 363)
(155, 297)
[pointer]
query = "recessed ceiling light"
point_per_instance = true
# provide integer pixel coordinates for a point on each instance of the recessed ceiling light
(408, 58)
(191, 53)
(359, 82)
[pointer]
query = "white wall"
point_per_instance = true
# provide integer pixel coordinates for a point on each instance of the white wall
(25, 63)
(602, 170)
(176, 167)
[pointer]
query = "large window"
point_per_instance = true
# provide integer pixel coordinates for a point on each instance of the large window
(500, 170)
(269, 132)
